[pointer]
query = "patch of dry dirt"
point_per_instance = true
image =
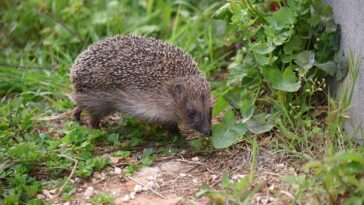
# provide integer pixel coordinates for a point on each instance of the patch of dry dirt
(175, 180)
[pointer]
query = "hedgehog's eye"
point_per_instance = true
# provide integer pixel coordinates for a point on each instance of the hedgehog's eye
(191, 113)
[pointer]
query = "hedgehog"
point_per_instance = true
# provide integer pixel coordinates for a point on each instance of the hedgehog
(144, 78)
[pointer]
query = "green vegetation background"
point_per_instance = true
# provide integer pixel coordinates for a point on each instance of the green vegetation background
(267, 62)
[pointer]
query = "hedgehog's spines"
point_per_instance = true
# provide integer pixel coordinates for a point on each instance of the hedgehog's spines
(135, 75)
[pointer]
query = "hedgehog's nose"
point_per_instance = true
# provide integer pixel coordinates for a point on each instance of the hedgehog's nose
(206, 131)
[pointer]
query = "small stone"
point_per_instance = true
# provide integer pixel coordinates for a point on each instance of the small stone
(182, 174)
(241, 175)
(97, 175)
(194, 180)
(89, 192)
(138, 188)
(150, 184)
(67, 203)
(117, 170)
(132, 195)
(40, 196)
(195, 159)
(150, 178)
(114, 160)
(77, 180)
(271, 187)
(53, 191)
(125, 198)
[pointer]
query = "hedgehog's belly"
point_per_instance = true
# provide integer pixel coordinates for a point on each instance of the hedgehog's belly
(147, 109)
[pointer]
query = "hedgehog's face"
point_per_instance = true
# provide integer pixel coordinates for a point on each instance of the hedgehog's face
(193, 109)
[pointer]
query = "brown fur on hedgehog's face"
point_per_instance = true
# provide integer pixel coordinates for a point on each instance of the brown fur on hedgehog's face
(193, 108)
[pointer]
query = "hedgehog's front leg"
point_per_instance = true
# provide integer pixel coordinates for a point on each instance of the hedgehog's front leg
(172, 128)
(76, 114)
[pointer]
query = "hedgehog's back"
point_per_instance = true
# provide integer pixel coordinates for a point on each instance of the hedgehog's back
(129, 62)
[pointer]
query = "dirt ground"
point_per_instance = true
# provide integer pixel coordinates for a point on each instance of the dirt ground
(177, 179)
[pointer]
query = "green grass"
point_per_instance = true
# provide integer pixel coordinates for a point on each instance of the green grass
(40, 39)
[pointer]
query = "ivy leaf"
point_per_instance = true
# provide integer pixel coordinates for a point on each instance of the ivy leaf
(262, 47)
(286, 81)
(296, 43)
(226, 136)
(221, 103)
(247, 105)
(229, 117)
(260, 123)
(237, 74)
(264, 59)
(329, 67)
(283, 18)
(305, 60)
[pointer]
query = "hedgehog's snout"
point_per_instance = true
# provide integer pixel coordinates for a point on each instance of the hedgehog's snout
(206, 131)
(204, 128)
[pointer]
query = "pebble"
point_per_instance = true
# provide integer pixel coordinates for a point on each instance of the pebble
(114, 160)
(138, 188)
(150, 178)
(67, 203)
(182, 174)
(117, 170)
(89, 192)
(40, 196)
(195, 159)
(125, 198)
(150, 185)
(132, 195)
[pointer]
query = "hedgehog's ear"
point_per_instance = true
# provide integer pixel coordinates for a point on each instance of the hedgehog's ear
(177, 90)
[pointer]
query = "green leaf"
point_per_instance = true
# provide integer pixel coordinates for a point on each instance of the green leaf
(329, 67)
(122, 154)
(264, 59)
(220, 104)
(222, 12)
(286, 82)
(247, 106)
(25, 151)
(283, 18)
(305, 59)
(237, 74)
(229, 117)
(296, 43)
(225, 136)
(262, 47)
(260, 123)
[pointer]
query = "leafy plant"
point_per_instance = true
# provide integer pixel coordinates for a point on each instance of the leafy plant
(239, 192)
(282, 46)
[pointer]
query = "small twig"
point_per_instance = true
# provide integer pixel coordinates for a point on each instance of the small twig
(197, 164)
(61, 116)
(70, 176)
(216, 182)
(150, 189)
(190, 162)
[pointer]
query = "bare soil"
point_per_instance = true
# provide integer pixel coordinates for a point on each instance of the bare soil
(177, 179)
